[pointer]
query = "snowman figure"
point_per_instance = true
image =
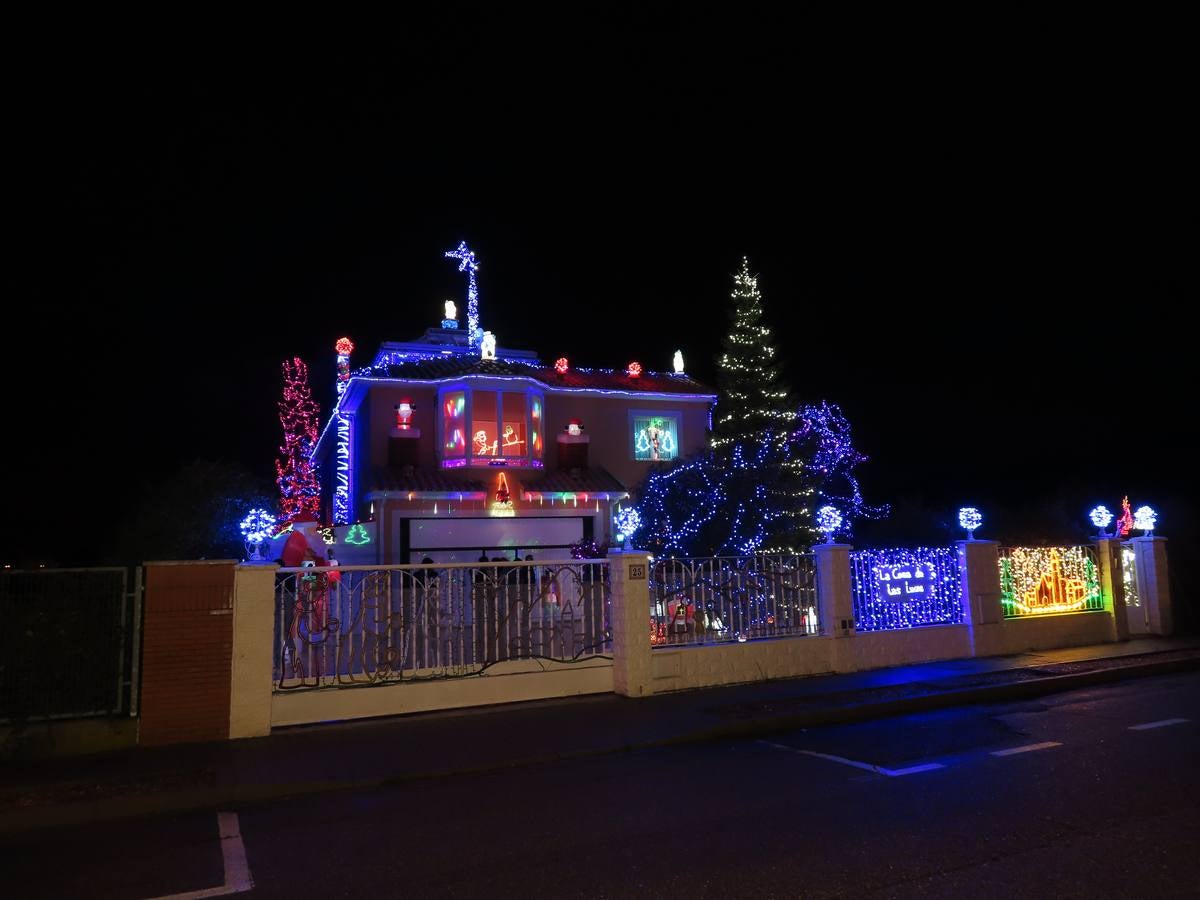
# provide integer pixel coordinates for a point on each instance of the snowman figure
(487, 347)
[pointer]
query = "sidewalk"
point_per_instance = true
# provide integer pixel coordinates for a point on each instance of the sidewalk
(362, 754)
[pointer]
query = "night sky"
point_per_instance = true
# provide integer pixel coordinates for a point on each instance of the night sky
(984, 272)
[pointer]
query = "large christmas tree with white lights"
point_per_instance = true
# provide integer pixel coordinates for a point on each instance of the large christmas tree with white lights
(769, 463)
(299, 489)
(752, 398)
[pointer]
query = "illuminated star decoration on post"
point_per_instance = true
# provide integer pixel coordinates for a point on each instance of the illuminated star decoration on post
(469, 264)
(969, 518)
(1101, 518)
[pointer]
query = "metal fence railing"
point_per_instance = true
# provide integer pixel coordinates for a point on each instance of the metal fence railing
(1043, 580)
(69, 643)
(353, 625)
(732, 598)
(903, 588)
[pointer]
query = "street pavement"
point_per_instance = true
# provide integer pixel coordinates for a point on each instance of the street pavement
(1089, 793)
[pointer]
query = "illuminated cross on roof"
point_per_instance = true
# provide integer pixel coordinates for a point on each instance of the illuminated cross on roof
(469, 264)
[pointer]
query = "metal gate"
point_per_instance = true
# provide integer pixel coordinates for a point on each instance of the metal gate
(69, 646)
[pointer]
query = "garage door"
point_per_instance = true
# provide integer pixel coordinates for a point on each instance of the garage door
(462, 540)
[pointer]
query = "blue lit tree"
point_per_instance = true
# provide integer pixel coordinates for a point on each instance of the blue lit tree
(737, 498)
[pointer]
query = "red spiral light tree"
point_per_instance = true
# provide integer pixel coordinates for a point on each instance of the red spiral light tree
(299, 488)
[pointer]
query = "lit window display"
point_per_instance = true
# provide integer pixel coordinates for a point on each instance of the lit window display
(513, 440)
(485, 440)
(655, 437)
(454, 424)
(535, 436)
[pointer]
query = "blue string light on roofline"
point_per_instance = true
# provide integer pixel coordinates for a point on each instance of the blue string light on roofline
(468, 263)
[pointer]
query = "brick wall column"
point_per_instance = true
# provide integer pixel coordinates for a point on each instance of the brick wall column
(629, 573)
(187, 645)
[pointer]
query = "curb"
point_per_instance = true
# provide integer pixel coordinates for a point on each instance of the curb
(210, 800)
(766, 726)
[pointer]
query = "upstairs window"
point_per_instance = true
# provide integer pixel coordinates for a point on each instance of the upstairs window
(513, 429)
(454, 425)
(655, 436)
(491, 428)
(485, 439)
(536, 433)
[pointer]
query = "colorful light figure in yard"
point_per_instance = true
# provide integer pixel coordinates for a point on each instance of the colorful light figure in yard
(829, 520)
(468, 263)
(1144, 519)
(1101, 518)
(560, 365)
(627, 522)
(969, 518)
(256, 528)
(1125, 523)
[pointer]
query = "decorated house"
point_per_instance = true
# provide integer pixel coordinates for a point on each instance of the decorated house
(449, 447)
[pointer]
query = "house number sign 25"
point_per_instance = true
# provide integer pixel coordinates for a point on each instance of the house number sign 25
(637, 572)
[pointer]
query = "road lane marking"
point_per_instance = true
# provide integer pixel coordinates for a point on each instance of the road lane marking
(1161, 723)
(237, 870)
(913, 770)
(878, 770)
(233, 858)
(1045, 745)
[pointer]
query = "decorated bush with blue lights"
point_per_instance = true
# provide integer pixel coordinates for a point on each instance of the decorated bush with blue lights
(903, 588)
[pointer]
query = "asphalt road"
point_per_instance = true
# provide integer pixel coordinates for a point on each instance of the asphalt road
(1062, 797)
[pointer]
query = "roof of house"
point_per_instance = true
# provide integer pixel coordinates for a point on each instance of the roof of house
(577, 379)
(596, 481)
(419, 480)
